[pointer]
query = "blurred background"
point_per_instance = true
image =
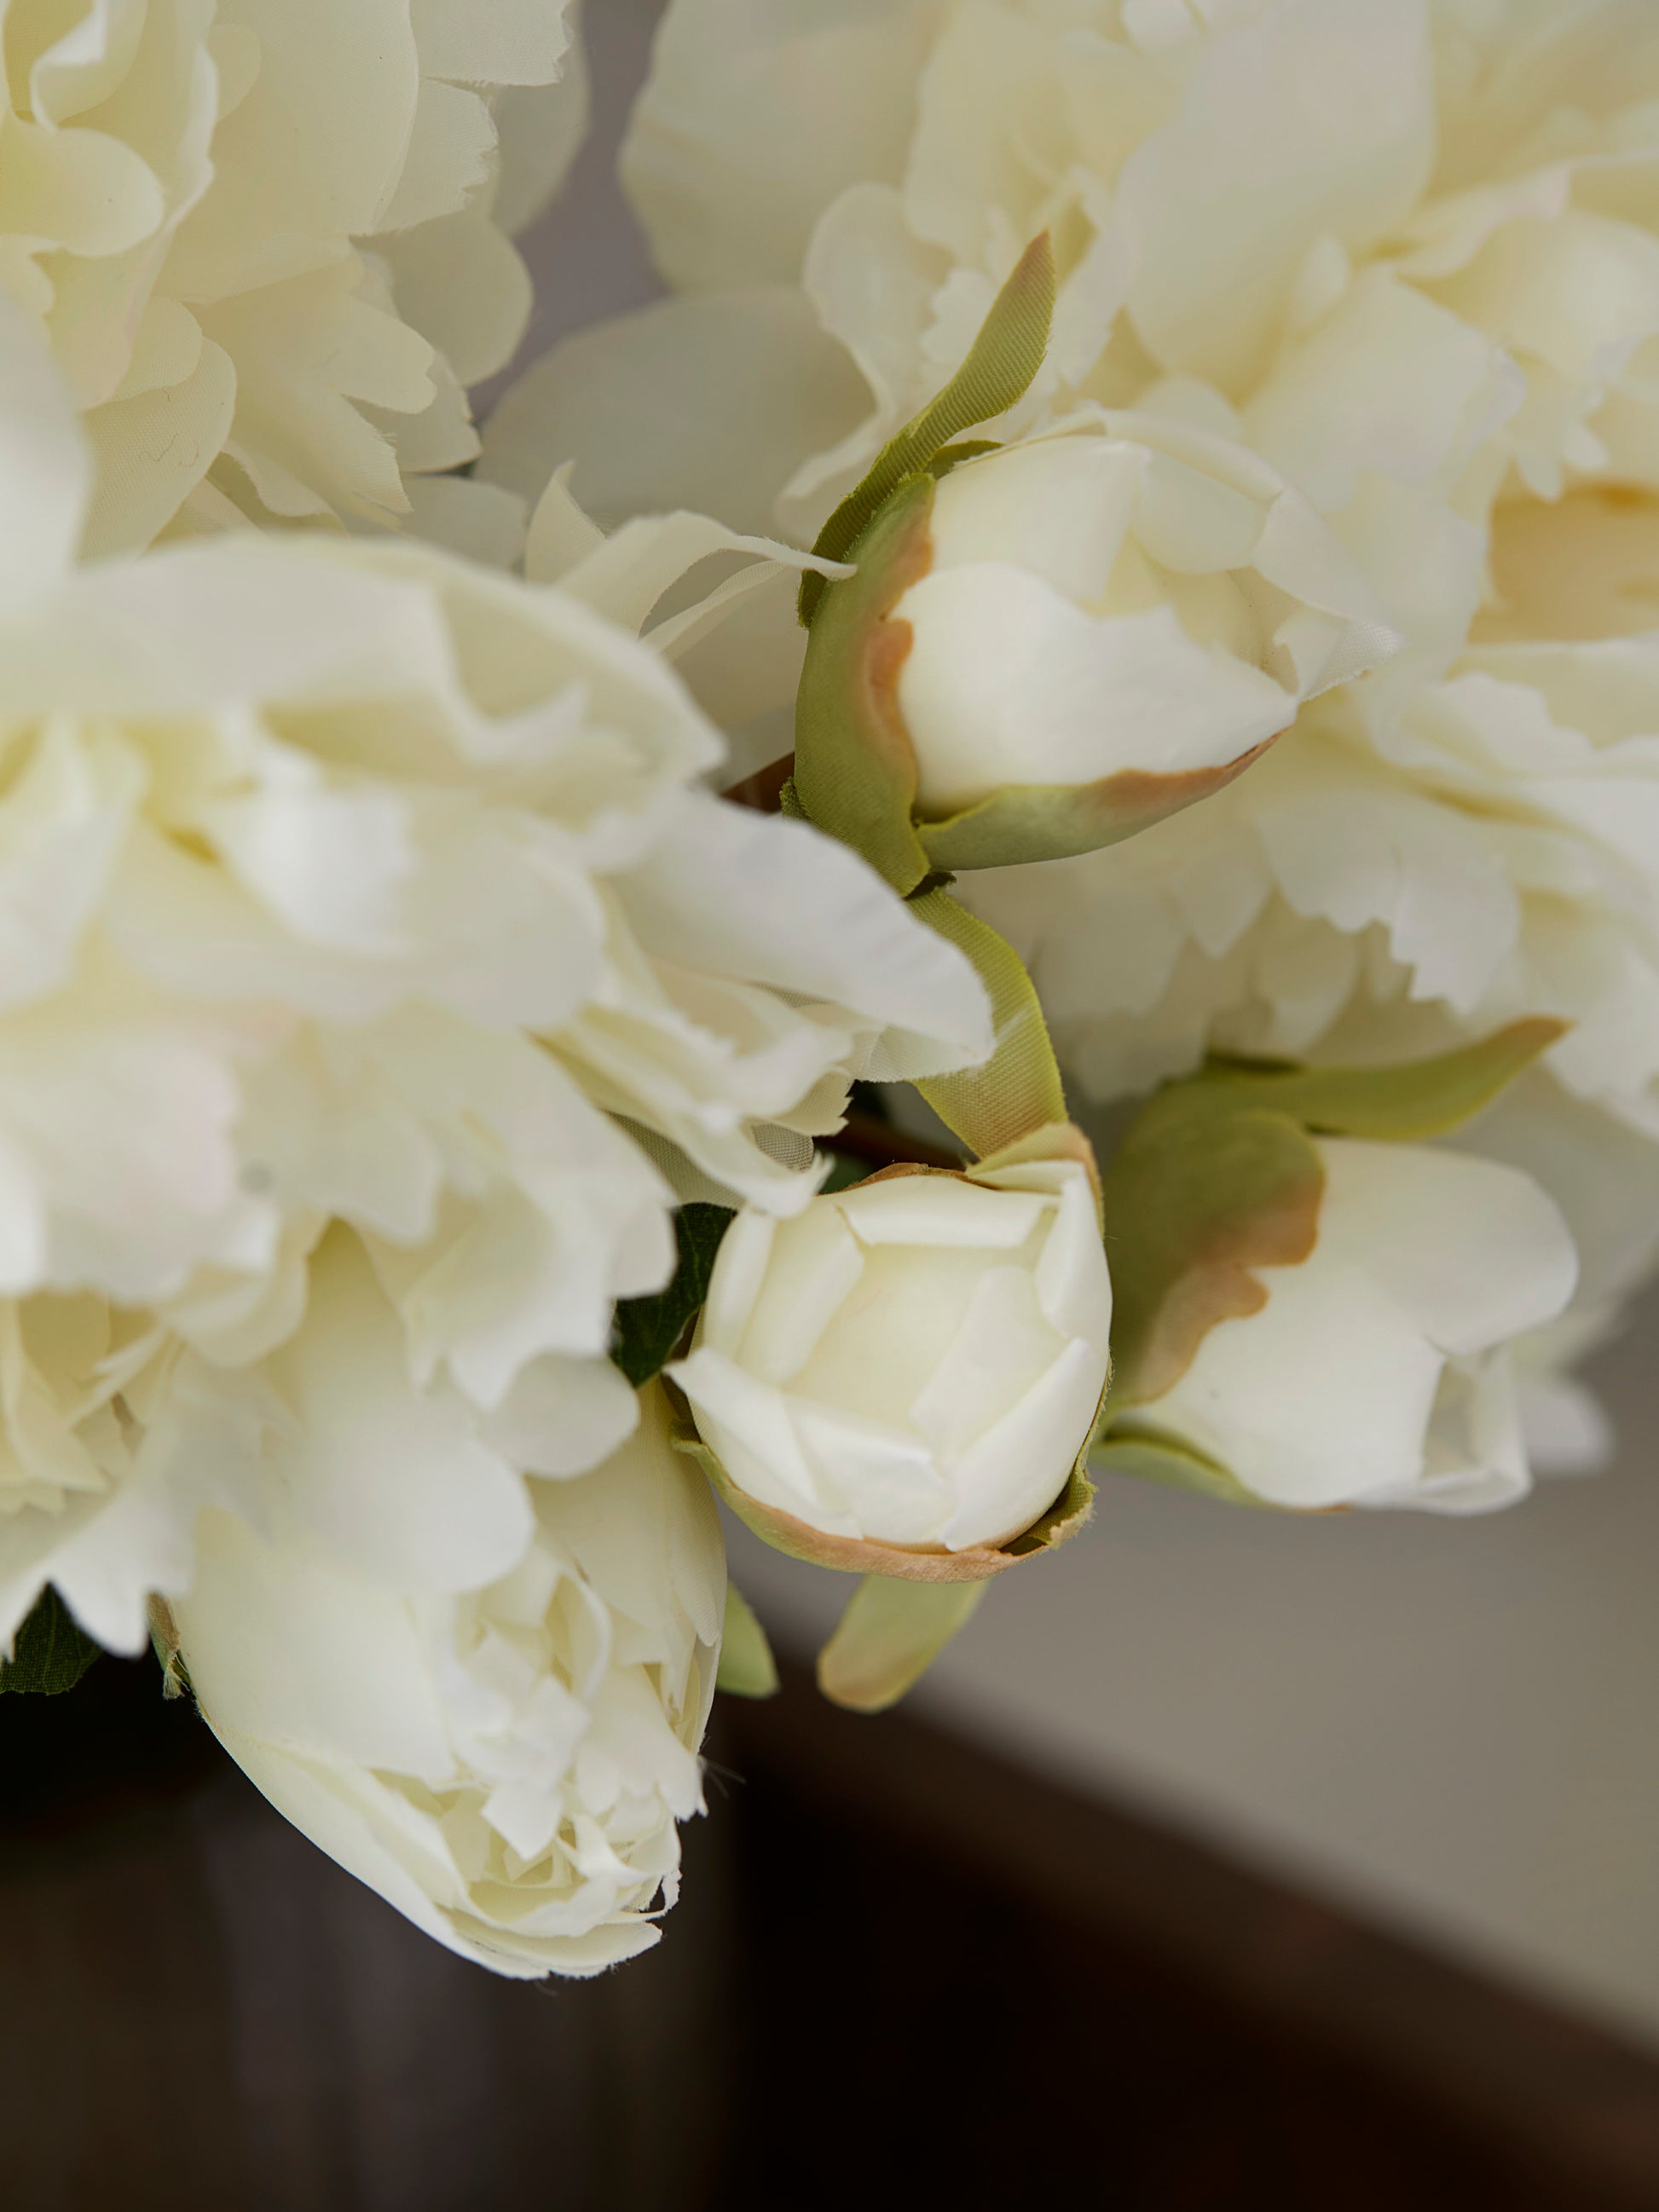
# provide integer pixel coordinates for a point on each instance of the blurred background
(1233, 1860)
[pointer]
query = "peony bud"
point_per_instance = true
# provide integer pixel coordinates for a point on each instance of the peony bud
(1376, 1372)
(916, 1363)
(1063, 642)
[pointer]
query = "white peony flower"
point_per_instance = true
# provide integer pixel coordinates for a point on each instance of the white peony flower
(1396, 238)
(1498, 856)
(500, 1739)
(916, 1362)
(1376, 1372)
(1406, 255)
(354, 883)
(260, 239)
(1407, 252)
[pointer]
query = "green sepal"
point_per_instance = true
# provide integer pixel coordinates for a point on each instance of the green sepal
(855, 767)
(747, 1667)
(164, 1642)
(889, 1637)
(1405, 1104)
(51, 1652)
(1148, 1458)
(1018, 1089)
(1001, 368)
(857, 1555)
(1202, 1191)
(648, 1330)
(1066, 1518)
(1056, 821)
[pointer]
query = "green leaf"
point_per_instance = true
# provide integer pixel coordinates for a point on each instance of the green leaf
(1018, 1089)
(889, 1637)
(1001, 368)
(1402, 1104)
(648, 1330)
(747, 1667)
(51, 1654)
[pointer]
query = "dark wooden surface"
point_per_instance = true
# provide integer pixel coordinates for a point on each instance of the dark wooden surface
(903, 1974)
(1020, 1991)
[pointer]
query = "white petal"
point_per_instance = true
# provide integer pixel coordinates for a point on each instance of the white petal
(1474, 1252)
(758, 112)
(706, 403)
(45, 469)
(1319, 1399)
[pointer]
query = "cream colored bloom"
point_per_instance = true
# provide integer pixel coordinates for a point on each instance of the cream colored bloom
(260, 241)
(1394, 237)
(500, 1745)
(1375, 894)
(1407, 252)
(360, 883)
(1125, 597)
(1498, 856)
(1378, 1372)
(916, 1362)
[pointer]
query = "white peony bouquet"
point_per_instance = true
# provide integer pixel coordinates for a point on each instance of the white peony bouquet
(1097, 657)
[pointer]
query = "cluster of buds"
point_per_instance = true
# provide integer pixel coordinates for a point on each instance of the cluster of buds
(1039, 649)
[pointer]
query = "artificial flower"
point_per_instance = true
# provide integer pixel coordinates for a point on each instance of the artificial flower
(916, 1362)
(261, 240)
(1070, 638)
(502, 1738)
(1498, 855)
(356, 883)
(1407, 253)
(1376, 1372)
(1407, 245)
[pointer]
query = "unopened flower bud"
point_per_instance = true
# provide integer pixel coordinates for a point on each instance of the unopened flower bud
(1139, 602)
(1065, 640)
(1378, 1372)
(916, 1362)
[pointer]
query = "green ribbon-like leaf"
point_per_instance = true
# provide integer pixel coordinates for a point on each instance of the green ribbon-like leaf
(1001, 368)
(648, 1329)
(1018, 1089)
(747, 1667)
(889, 1637)
(51, 1654)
